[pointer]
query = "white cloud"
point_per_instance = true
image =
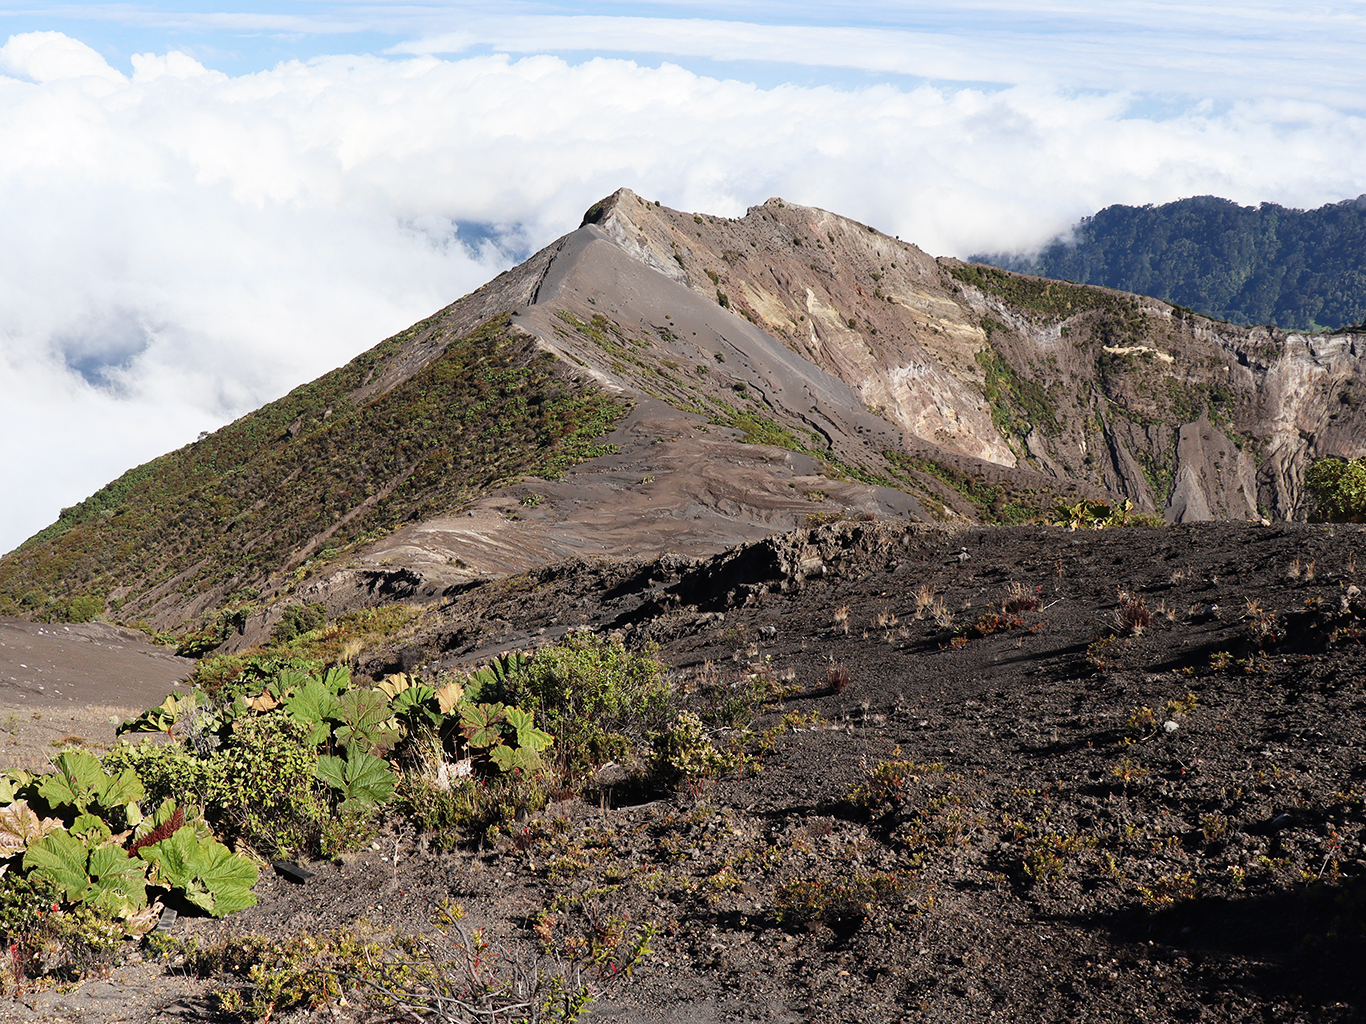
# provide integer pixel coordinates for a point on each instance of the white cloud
(182, 245)
(52, 57)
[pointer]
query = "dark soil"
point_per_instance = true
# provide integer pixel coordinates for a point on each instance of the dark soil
(1085, 821)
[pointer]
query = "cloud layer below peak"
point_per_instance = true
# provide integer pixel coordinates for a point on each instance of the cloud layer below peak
(182, 245)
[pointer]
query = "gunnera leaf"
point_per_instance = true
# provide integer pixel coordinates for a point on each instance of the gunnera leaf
(91, 828)
(366, 721)
(418, 703)
(289, 680)
(449, 696)
(528, 736)
(482, 724)
(75, 782)
(118, 884)
(262, 702)
(162, 717)
(314, 706)
(60, 858)
(103, 877)
(12, 784)
(79, 781)
(510, 759)
(365, 780)
(337, 679)
(205, 871)
(394, 684)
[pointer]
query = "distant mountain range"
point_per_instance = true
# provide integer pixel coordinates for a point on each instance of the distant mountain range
(1301, 270)
(660, 381)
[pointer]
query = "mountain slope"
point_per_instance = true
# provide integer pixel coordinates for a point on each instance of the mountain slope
(333, 464)
(1186, 416)
(663, 381)
(1299, 269)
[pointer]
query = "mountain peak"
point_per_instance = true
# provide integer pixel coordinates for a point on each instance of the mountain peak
(659, 381)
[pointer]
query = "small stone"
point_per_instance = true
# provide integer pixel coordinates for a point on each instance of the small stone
(1169, 726)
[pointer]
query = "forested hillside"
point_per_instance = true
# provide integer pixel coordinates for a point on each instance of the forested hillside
(1301, 270)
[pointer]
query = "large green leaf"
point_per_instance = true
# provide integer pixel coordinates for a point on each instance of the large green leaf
(91, 829)
(417, 704)
(76, 781)
(79, 781)
(121, 789)
(364, 779)
(528, 736)
(61, 859)
(338, 678)
(105, 877)
(13, 783)
(118, 884)
(481, 724)
(510, 759)
(314, 705)
(209, 875)
(162, 717)
(366, 721)
(288, 680)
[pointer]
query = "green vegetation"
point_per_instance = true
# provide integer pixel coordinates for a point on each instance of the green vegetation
(78, 843)
(1338, 487)
(291, 758)
(1017, 405)
(297, 620)
(1052, 300)
(1299, 269)
(592, 696)
(438, 976)
(327, 466)
(685, 755)
(997, 503)
(1097, 515)
(760, 430)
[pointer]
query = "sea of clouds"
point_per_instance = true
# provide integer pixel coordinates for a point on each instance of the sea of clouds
(180, 245)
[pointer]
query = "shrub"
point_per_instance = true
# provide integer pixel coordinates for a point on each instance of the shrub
(479, 809)
(683, 754)
(1338, 487)
(589, 691)
(166, 769)
(297, 620)
(452, 976)
(884, 784)
(1097, 515)
(27, 906)
(85, 608)
(96, 861)
(261, 784)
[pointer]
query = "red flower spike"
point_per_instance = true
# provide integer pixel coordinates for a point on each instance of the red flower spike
(162, 831)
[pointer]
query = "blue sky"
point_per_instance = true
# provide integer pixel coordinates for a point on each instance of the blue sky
(206, 204)
(1162, 48)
